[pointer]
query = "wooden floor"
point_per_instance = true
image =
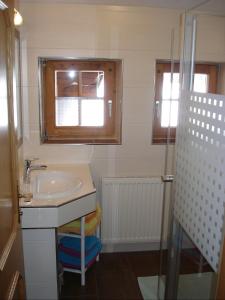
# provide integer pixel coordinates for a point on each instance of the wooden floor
(113, 277)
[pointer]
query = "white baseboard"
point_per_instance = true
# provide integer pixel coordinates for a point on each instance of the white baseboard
(130, 247)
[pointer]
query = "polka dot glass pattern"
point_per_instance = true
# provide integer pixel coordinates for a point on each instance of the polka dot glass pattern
(200, 172)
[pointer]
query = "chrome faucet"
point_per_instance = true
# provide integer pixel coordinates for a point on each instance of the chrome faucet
(28, 167)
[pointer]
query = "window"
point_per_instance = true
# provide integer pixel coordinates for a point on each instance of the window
(81, 101)
(166, 97)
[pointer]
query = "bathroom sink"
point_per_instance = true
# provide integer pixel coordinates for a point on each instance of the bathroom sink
(49, 185)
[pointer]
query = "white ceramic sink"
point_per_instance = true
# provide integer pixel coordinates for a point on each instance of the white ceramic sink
(49, 185)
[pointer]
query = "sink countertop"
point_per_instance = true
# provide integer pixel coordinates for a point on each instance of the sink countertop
(81, 171)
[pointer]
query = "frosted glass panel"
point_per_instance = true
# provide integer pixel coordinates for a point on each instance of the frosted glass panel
(92, 112)
(200, 176)
(79, 112)
(67, 112)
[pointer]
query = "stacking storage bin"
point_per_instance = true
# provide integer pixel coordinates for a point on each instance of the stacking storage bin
(92, 222)
(79, 243)
(70, 251)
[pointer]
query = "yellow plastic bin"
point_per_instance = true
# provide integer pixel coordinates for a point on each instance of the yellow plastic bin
(92, 221)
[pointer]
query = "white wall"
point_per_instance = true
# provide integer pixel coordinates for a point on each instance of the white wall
(139, 36)
(210, 45)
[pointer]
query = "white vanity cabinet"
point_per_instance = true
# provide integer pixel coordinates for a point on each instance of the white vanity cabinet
(40, 259)
(40, 220)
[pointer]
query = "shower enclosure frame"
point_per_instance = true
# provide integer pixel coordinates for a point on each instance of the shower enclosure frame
(174, 241)
(176, 230)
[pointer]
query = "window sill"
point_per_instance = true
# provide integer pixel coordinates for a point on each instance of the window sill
(85, 141)
(163, 141)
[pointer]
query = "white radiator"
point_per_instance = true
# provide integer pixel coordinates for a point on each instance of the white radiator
(132, 210)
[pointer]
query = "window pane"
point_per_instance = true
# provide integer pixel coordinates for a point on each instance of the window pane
(66, 111)
(169, 115)
(66, 83)
(201, 83)
(100, 86)
(92, 112)
(91, 84)
(166, 89)
(72, 83)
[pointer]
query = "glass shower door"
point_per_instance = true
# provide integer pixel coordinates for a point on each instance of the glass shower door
(197, 225)
(173, 83)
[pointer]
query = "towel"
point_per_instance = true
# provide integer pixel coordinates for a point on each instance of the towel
(75, 242)
(68, 259)
(72, 266)
(92, 220)
(72, 245)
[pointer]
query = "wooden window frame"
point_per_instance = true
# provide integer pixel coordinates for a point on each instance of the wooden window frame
(160, 134)
(110, 133)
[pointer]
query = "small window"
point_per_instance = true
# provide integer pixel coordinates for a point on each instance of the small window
(166, 97)
(81, 101)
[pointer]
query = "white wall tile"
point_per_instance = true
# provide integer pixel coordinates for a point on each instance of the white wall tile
(210, 43)
(31, 107)
(50, 153)
(138, 103)
(139, 67)
(138, 36)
